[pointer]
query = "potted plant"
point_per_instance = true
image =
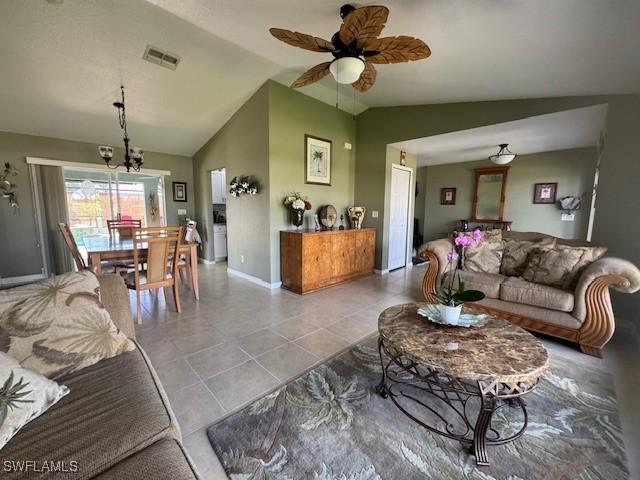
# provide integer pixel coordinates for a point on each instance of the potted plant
(449, 300)
(297, 205)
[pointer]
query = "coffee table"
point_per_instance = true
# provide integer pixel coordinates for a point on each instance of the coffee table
(451, 380)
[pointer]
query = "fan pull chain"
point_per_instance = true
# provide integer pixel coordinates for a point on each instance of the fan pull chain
(337, 88)
(354, 103)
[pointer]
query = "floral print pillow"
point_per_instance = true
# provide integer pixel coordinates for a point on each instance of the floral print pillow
(485, 256)
(59, 325)
(517, 252)
(24, 395)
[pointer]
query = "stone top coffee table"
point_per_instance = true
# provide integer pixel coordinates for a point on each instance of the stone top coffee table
(458, 374)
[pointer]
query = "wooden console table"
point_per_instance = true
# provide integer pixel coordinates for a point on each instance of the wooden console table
(311, 260)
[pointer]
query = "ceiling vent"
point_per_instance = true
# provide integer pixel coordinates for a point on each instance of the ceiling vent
(161, 57)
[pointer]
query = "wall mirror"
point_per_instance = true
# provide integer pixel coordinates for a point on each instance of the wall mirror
(488, 200)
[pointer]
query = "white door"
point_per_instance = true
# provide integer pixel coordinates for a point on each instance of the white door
(399, 216)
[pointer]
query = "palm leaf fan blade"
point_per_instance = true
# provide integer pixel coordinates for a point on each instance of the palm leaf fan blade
(312, 75)
(367, 78)
(363, 23)
(302, 40)
(395, 49)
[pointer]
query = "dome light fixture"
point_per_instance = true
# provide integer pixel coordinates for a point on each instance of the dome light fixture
(503, 156)
(346, 69)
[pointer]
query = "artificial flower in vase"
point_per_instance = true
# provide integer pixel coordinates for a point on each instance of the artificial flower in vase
(450, 301)
(297, 205)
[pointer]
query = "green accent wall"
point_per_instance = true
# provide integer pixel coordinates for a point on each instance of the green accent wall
(23, 257)
(573, 170)
(242, 147)
(291, 116)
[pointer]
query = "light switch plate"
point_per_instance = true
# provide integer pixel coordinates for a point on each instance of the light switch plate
(347, 146)
(374, 214)
(182, 211)
(568, 217)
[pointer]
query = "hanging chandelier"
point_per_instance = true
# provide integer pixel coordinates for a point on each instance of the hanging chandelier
(133, 157)
(503, 156)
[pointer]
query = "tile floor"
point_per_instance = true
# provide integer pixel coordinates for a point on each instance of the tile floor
(241, 341)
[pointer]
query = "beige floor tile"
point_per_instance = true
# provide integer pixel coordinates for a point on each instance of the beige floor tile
(161, 352)
(195, 407)
(188, 344)
(322, 343)
(241, 326)
(294, 328)
(203, 456)
(239, 385)
(213, 360)
(176, 375)
(259, 342)
(352, 328)
(287, 361)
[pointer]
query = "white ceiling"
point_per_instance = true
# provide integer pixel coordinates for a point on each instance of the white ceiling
(62, 64)
(564, 130)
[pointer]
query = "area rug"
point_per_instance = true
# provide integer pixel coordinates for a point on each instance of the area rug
(331, 425)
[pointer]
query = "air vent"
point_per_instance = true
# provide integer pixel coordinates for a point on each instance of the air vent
(160, 57)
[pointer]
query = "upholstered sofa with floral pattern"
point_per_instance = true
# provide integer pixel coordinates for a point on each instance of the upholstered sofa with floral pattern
(574, 306)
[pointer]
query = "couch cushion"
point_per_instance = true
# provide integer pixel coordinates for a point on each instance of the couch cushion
(116, 408)
(487, 283)
(163, 459)
(486, 256)
(518, 290)
(516, 254)
(552, 317)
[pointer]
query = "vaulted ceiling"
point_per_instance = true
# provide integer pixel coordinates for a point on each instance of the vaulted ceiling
(63, 64)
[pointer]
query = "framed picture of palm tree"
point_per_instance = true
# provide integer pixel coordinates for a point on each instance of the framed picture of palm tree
(317, 160)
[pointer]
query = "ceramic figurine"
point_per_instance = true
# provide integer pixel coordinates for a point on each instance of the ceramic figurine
(356, 215)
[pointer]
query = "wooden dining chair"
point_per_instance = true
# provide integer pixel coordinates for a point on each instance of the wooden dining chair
(124, 228)
(72, 246)
(156, 249)
(184, 263)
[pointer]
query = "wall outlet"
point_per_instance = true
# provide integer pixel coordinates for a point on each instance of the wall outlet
(347, 146)
(182, 211)
(241, 258)
(374, 213)
(568, 217)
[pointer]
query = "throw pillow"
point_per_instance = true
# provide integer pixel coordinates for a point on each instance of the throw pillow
(58, 325)
(24, 396)
(486, 256)
(516, 254)
(560, 266)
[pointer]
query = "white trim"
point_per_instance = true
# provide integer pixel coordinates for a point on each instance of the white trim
(206, 262)
(252, 279)
(88, 166)
(22, 279)
(381, 272)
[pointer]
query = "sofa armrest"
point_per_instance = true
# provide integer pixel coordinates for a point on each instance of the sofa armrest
(436, 252)
(115, 297)
(617, 273)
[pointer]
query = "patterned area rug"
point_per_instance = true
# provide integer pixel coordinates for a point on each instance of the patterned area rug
(331, 425)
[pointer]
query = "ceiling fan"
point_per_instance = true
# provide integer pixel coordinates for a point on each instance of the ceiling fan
(355, 47)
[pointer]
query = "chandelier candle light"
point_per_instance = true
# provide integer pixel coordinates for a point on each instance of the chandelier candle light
(133, 155)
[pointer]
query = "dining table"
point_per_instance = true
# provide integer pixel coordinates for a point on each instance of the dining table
(101, 248)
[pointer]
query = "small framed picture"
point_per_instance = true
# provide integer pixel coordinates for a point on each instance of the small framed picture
(545, 192)
(317, 160)
(448, 196)
(179, 191)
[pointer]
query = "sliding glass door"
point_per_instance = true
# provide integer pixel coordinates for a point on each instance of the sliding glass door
(93, 197)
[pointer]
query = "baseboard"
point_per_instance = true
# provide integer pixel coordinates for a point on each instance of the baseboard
(381, 272)
(22, 279)
(205, 261)
(252, 279)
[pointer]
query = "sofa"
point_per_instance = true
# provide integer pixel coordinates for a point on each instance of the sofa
(582, 314)
(116, 422)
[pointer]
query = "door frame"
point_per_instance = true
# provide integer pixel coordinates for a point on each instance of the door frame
(409, 244)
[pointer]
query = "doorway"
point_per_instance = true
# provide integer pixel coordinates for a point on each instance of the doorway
(219, 205)
(400, 210)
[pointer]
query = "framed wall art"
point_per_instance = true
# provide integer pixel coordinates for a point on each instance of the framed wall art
(544, 193)
(317, 160)
(179, 191)
(448, 196)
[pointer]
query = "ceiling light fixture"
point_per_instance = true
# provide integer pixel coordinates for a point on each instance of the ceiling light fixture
(503, 156)
(134, 153)
(346, 69)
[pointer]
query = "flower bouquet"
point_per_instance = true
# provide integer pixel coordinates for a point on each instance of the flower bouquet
(297, 204)
(450, 301)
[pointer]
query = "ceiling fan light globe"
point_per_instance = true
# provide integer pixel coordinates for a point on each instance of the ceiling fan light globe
(502, 159)
(346, 70)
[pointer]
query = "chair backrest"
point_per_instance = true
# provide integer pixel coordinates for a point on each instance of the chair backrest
(124, 228)
(72, 246)
(162, 245)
